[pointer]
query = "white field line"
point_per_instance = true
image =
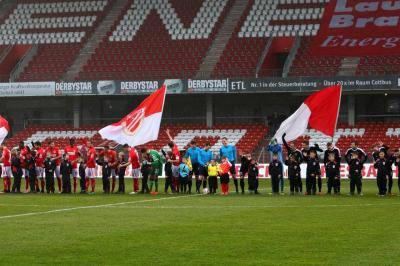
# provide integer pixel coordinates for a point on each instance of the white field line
(93, 207)
(253, 206)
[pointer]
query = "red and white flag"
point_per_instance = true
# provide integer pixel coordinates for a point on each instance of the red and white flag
(4, 129)
(320, 111)
(141, 125)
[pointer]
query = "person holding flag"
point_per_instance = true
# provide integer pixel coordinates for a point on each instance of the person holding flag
(140, 126)
(175, 160)
(319, 111)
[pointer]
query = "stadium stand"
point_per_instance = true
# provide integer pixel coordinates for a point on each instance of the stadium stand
(59, 29)
(245, 137)
(157, 40)
(169, 39)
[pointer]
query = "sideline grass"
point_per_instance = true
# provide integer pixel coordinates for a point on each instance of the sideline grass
(201, 230)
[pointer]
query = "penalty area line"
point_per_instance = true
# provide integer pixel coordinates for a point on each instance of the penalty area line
(93, 207)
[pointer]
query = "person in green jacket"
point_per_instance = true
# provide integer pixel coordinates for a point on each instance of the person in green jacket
(156, 168)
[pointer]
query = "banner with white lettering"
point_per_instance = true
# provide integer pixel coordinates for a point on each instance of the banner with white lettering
(358, 28)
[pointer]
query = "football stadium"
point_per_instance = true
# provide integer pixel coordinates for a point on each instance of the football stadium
(200, 132)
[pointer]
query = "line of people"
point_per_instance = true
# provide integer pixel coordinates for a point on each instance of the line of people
(355, 157)
(42, 166)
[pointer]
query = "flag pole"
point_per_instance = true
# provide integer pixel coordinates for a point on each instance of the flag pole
(337, 115)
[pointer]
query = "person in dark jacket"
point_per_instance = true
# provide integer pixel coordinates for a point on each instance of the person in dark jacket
(332, 168)
(145, 169)
(253, 176)
(355, 167)
(123, 163)
(66, 172)
(331, 149)
(382, 173)
(49, 169)
(292, 151)
(244, 169)
(168, 172)
(397, 164)
(16, 171)
(293, 173)
(106, 173)
(82, 174)
(31, 165)
(391, 160)
(276, 173)
(313, 172)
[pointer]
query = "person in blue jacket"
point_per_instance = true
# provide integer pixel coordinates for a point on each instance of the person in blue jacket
(205, 156)
(184, 172)
(275, 148)
(229, 151)
(193, 152)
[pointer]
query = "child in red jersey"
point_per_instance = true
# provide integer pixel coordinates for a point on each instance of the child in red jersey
(224, 169)
(7, 173)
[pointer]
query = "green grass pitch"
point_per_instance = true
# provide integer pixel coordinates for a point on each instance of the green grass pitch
(200, 230)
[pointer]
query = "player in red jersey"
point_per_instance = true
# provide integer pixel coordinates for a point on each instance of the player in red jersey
(175, 160)
(39, 159)
(23, 152)
(113, 164)
(73, 155)
(56, 158)
(6, 160)
(91, 166)
(134, 161)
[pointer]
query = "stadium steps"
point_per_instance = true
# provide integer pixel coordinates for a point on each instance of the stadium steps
(6, 6)
(90, 48)
(263, 56)
(349, 66)
(221, 40)
(291, 57)
(23, 63)
(4, 51)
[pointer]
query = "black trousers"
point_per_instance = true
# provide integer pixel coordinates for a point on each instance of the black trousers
(32, 179)
(17, 182)
(319, 180)
(252, 182)
(50, 182)
(168, 184)
(294, 183)
(189, 181)
(275, 183)
(106, 184)
(330, 183)
(212, 184)
(82, 183)
(355, 182)
(66, 184)
(183, 183)
(390, 182)
(121, 180)
(311, 185)
(145, 179)
(333, 183)
(381, 182)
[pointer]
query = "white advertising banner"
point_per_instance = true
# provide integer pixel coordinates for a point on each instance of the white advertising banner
(23, 89)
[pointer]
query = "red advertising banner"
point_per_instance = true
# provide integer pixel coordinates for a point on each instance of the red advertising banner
(359, 28)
